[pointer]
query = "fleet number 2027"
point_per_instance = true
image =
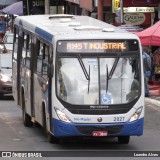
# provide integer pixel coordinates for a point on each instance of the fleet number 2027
(119, 119)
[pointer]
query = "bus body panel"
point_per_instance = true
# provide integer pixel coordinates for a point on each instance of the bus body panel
(62, 129)
(38, 98)
(14, 81)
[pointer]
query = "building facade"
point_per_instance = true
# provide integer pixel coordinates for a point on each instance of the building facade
(127, 12)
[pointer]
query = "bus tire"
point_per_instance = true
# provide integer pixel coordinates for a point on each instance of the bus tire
(49, 136)
(26, 118)
(123, 139)
(52, 139)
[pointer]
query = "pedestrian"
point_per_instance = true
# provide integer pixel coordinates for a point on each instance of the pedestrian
(156, 63)
(2, 24)
(147, 64)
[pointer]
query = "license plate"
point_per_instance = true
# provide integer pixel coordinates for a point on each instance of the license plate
(99, 133)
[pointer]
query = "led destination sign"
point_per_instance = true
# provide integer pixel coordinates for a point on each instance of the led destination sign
(95, 46)
(92, 46)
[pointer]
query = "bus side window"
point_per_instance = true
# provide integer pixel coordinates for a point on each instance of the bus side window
(24, 48)
(15, 43)
(39, 65)
(26, 52)
(45, 62)
(42, 60)
(39, 58)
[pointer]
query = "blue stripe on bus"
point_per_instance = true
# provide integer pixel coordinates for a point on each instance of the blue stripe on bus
(69, 129)
(42, 33)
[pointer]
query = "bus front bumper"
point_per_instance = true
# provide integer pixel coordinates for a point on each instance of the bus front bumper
(63, 129)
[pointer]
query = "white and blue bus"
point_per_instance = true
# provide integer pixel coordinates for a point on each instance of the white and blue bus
(78, 77)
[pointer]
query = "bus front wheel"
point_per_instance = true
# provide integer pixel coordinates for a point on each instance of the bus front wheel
(123, 139)
(49, 136)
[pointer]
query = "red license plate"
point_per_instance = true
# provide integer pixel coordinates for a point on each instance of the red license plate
(99, 133)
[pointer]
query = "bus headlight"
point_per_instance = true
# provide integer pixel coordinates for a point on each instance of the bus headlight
(136, 115)
(62, 116)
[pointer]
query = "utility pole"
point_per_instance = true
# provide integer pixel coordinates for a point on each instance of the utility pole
(100, 10)
(47, 6)
(121, 11)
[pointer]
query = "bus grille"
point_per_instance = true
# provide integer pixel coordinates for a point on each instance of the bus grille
(87, 130)
(99, 111)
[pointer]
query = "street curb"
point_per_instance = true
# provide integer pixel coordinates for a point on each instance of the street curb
(152, 101)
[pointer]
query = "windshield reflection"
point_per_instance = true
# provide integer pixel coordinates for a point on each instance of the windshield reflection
(120, 86)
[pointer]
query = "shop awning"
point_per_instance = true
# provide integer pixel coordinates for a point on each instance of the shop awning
(150, 36)
(7, 2)
(15, 8)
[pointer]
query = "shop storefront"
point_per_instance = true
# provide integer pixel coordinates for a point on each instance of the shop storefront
(135, 12)
(33, 7)
(72, 7)
(141, 13)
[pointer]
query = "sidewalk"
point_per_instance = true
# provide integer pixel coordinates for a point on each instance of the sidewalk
(153, 99)
(153, 102)
(154, 90)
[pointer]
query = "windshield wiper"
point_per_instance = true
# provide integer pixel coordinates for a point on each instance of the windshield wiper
(113, 67)
(87, 75)
(89, 80)
(106, 78)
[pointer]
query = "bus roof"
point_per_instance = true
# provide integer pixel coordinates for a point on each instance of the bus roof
(68, 26)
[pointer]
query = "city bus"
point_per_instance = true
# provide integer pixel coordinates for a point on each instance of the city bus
(77, 76)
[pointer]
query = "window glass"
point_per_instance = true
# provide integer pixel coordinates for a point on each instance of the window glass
(45, 62)
(15, 43)
(100, 81)
(42, 60)
(26, 50)
(39, 58)
(72, 84)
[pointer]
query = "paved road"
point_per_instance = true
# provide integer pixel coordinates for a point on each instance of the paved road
(15, 137)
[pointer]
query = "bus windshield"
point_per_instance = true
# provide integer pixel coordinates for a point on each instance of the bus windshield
(111, 80)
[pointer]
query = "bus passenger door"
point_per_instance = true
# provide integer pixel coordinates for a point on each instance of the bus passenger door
(27, 72)
(41, 91)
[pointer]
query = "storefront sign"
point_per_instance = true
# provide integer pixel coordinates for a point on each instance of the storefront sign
(138, 9)
(115, 5)
(32, 7)
(140, 3)
(134, 18)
